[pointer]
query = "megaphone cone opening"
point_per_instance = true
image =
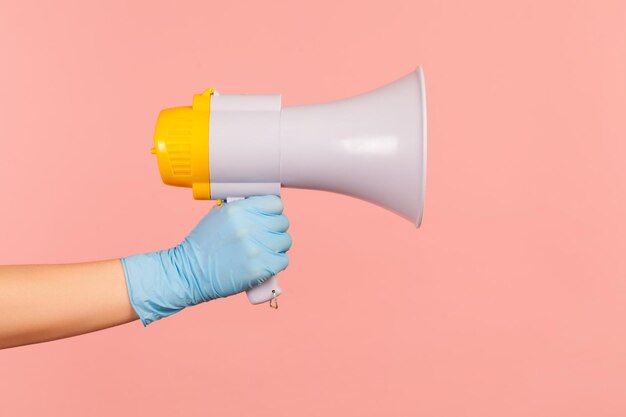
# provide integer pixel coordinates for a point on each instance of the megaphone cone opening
(371, 146)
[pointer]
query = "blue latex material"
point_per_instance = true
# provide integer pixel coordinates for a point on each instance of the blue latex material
(234, 247)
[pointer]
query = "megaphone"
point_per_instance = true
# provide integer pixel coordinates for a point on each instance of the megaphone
(229, 146)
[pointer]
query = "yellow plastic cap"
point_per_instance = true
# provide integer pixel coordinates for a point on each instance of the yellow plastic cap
(181, 145)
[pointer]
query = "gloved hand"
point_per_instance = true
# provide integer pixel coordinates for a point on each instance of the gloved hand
(235, 246)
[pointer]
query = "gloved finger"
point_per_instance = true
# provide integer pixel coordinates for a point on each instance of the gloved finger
(276, 262)
(274, 242)
(275, 223)
(268, 204)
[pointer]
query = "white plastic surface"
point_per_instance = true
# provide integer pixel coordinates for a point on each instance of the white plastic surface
(244, 154)
(264, 292)
(371, 146)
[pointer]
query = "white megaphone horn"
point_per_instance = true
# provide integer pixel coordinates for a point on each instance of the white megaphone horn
(371, 146)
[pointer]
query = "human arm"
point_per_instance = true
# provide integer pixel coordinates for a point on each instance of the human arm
(39, 303)
(234, 247)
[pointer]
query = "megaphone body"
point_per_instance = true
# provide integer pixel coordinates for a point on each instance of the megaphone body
(371, 146)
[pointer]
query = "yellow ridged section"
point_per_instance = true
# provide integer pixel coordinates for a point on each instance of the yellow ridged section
(181, 145)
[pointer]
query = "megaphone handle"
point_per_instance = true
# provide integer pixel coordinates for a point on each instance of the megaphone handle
(267, 290)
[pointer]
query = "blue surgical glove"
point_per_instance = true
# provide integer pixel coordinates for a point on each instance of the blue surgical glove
(235, 246)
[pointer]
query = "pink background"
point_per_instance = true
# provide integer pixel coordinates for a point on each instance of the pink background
(509, 301)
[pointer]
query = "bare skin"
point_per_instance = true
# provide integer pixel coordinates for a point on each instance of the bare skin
(39, 303)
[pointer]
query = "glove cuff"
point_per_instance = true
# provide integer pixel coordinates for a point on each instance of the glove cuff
(154, 288)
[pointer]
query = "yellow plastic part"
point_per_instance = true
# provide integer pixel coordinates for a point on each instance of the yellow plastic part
(181, 145)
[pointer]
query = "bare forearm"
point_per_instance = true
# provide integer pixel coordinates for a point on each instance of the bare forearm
(39, 303)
